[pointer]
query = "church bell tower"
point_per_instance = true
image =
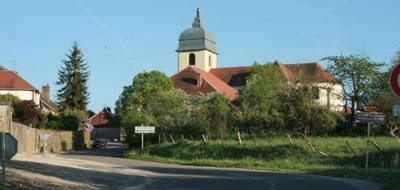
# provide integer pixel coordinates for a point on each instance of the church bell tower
(196, 47)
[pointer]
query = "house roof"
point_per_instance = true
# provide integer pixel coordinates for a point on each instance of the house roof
(104, 118)
(233, 76)
(312, 72)
(202, 82)
(11, 80)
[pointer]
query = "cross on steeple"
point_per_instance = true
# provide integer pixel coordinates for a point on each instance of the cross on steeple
(197, 22)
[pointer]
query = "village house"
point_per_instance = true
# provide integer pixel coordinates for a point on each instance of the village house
(198, 71)
(13, 84)
(105, 126)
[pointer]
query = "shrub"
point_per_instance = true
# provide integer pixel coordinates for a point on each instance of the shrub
(27, 112)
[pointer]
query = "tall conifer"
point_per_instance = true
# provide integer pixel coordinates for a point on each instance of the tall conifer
(73, 77)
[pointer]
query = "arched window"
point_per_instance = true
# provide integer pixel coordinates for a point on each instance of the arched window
(192, 59)
(209, 60)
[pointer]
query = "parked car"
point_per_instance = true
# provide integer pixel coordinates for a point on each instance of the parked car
(99, 143)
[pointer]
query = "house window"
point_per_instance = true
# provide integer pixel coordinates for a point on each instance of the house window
(192, 59)
(209, 60)
(315, 93)
(189, 80)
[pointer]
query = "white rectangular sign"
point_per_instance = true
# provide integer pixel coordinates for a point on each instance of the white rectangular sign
(370, 117)
(396, 110)
(145, 129)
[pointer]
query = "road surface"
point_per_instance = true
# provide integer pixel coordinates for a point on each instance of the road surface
(175, 177)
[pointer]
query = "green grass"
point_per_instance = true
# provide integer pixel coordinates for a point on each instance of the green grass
(281, 156)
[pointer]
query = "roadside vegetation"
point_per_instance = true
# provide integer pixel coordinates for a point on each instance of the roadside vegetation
(331, 156)
(281, 126)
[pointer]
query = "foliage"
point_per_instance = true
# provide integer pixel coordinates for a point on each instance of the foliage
(9, 98)
(297, 112)
(257, 97)
(133, 106)
(357, 73)
(73, 77)
(27, 112)
(71, 119)
(281, 156)
(217, 107)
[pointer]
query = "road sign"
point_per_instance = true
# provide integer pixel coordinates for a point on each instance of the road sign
(144, 129)
(11, 146)
(396, 110)
(370, 117)
(394, 80)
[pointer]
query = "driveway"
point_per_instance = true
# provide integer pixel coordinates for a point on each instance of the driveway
(106, 169)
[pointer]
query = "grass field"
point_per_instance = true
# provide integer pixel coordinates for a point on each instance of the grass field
(332, 156)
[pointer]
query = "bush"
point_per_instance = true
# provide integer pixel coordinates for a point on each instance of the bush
(27, 112)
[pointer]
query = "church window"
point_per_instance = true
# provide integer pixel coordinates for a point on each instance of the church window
(189, 80)
(192, 59)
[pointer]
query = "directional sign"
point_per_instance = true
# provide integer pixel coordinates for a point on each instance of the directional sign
(144, 129)
(396, 110)
(11, 146)
(394, 80)
(370, 117)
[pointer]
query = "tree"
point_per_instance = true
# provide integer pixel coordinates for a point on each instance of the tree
(382, 97)
(217, 107)
(296, 112)
(357, 74)
(257, 97)
(133, 105)
(73, 77)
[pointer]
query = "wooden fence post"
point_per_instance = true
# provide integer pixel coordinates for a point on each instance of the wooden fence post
(269, 141)
(351, 148)
(204, 138)
(172, 138)
(183, 138)
(310, 145)
(254, 138)
(165, 139)
(240, 139)
(290, 139)
(159, 139)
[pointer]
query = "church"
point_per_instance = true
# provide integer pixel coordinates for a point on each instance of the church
(198, 71)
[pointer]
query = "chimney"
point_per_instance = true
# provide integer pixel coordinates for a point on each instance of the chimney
(46, 92)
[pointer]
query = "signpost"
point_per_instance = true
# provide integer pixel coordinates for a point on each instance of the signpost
(44, 136)
(369, 117)
(9, 147)
(144, 129)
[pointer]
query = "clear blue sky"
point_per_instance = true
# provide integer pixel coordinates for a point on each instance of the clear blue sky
(122, 38)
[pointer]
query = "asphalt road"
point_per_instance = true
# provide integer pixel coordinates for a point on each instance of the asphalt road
(175, 177)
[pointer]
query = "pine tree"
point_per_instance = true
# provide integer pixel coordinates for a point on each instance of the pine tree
(73, 77)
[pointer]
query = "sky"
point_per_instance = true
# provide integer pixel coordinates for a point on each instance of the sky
(122, 38)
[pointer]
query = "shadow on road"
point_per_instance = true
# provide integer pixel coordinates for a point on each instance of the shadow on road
(113, 149)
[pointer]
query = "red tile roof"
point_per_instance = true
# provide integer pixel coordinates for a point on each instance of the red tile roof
(312, 72)
(103, 118)
(11, 80)
(203, 82)
(233, 76)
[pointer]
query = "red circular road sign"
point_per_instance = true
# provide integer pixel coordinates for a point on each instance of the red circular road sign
(394, 80)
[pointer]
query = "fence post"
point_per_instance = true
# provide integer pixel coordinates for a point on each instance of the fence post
(351, 148)
(254, 138)
(269, 141)
(165, 139)
(204, 138)
(172, 138)
(290, 139)
(183, 138)
(240, 139)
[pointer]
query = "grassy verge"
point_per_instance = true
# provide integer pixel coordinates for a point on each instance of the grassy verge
(338, 160)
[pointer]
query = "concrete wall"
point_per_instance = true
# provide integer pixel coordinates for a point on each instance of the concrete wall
(31, 140)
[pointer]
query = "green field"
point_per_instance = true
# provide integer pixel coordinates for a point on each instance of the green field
(332, 156)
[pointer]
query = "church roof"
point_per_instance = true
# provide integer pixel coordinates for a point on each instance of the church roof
(196, 37)
(311, 72)
(194, 80)
(233, 76)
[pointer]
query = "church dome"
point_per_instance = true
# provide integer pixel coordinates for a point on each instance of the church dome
(196, 38)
